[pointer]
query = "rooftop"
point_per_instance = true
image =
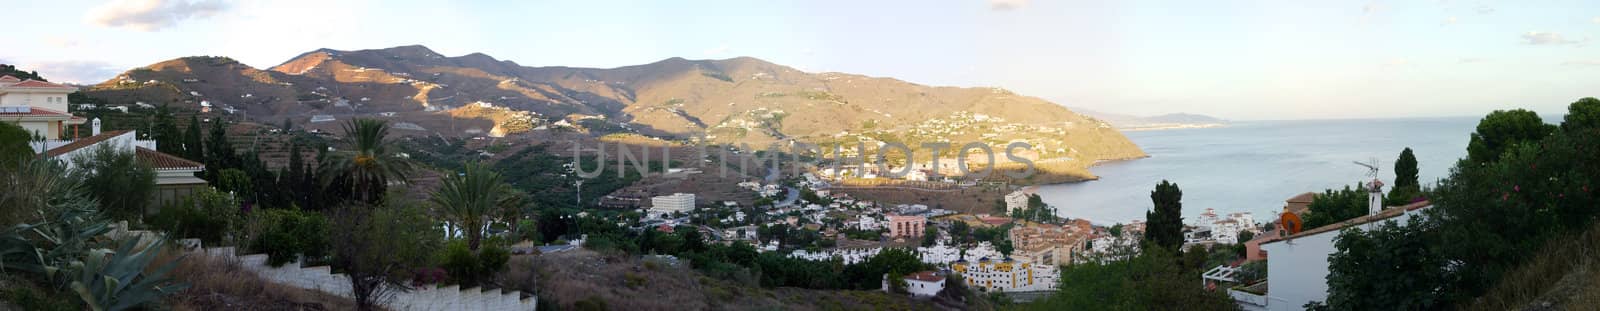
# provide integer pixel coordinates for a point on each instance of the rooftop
(162, 161)
(1390, 212)
(925, 276)
(83, 142)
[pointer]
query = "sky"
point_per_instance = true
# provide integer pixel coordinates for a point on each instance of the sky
(1241, 60)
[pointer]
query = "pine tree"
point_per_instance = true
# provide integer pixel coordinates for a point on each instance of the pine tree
(192, 148)
(1164, 223)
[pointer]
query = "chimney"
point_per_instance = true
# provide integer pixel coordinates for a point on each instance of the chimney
(1374, 197)
(96, 127)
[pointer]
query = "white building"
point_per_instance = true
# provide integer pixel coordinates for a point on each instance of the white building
(1007, 275)
(920, 284)
(37, 106)
(1297, 268)
(1018, 200)
(175, 176)
(663, 206)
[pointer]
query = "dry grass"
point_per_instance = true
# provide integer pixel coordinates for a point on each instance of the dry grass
(627, 283)
(1562, 277)
(218, 284)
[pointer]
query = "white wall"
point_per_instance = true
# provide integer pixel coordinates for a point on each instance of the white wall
(1297, 270)
(924, 289)
(52, 100)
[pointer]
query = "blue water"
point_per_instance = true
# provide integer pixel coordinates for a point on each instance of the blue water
(1254, 166)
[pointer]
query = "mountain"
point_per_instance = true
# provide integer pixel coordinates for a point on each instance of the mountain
(737, 100)
(1171, 120)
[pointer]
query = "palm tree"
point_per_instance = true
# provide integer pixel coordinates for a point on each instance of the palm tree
(470, 198)
(368, 168)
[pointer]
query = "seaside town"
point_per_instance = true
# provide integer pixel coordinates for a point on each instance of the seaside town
(989, 155)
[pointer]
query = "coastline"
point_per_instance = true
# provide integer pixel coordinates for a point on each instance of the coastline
(1158, 127)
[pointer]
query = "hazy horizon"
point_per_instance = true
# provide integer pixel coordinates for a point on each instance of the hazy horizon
(1233, 60)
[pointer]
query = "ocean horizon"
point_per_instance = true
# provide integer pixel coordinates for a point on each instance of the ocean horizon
(1253, 166)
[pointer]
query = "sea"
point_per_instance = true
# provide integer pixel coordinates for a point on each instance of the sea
(1253, 166)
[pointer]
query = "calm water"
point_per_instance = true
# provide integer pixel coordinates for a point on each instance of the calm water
(1254, 166)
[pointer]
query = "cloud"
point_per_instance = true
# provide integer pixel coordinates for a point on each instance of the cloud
(61, 42)
(1582, 63)
(78, 72)
(719, 50)
(1007, 5)
(1472, 60)
(1546, 38)
(1371, 8)
(151, 15)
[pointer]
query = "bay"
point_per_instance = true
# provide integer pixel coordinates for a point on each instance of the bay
(1254, 166)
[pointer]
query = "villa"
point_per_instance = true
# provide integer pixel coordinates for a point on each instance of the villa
(39, 107)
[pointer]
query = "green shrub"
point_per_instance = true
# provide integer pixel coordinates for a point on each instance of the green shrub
(469, 269)
(208, 215)
(287, 233)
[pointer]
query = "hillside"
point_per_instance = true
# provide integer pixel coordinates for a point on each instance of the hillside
(738, 100)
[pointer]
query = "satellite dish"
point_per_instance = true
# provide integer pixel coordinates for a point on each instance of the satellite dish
(1291, 223)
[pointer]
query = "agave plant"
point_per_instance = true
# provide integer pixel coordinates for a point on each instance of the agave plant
(65, 223)
(112, 280)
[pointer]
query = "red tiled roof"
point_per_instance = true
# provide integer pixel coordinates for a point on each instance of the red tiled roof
(925, 276)
(162, 161)
(1390, 212)
(36, 111)
(8, 78)
(83, 142)
(37, 83)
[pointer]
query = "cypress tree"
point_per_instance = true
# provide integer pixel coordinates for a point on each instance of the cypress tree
(1406, 186)
(1164, 223)
(192, 148)
(165, 132)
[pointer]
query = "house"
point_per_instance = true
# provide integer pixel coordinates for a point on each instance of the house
(1298, 269)
(38, 107)
(920, 284)
(175, 176)
(906, 226)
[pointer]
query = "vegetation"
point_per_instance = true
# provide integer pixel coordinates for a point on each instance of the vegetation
(208, 215)
(379, 247)
(1154, 280)
(116, 179)
(1164, 223)
(14, 149)
(1405, 187)
(471, 197)
(1370, 276)
(62, 245)
(1503, 129)
(1524, 185)
(11, 70)
(1333, 206)
(368, 167)
(288, 234)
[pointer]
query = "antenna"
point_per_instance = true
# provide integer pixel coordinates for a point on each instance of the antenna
(1372, 167)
